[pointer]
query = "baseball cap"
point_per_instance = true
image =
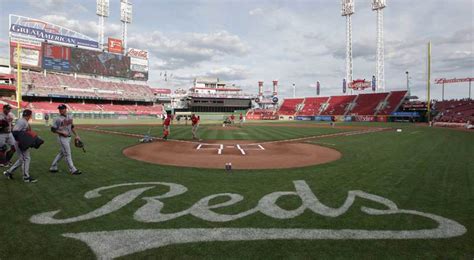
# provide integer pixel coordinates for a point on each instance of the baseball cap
(27, 112)
(62, 106)
(7, 106)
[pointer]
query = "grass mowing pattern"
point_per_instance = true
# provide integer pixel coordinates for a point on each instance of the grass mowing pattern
(424, 169)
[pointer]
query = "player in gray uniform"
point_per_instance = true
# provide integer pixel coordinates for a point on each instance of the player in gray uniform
(24, 158)
(63, 126)
(6, 137)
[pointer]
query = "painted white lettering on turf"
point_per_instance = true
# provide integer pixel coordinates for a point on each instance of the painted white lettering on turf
(110, 244)
(115, 204)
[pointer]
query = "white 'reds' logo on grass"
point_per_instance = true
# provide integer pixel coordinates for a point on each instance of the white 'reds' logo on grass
(110, 244)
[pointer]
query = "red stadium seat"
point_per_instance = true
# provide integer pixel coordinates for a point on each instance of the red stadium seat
(366, 104)
(338, 105)
(312, 106)
(289, 106)
(393, 102)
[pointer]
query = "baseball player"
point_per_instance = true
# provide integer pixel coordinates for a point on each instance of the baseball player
(63, 126)
(24, 158)
(6, 137)
(166, 127)
(46, 119)
(241, 120)
(195, 124)
(232, 118)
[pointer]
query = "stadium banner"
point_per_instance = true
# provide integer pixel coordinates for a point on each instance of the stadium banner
(405, 114)
(164, 91)
(45, 35)
(100, 63)
(374, 83)
(138, 64)
(29, 57)
(359, 84)
(365, 118)
(305, 118)
(56, 57)
(344, 86)
(347, 118)
(137, 75)
(27, 43)
(323, 118)
(253, 117)
(136, 53)
(115, 45)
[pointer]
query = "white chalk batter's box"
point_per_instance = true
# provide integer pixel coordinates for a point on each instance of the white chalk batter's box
(220, 148)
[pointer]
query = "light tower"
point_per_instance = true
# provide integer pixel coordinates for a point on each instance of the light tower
(126, 18)
(348, 11)
(378, 6)
(102, 12)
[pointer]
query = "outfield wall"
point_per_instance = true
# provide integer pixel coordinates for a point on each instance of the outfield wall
(343, 118)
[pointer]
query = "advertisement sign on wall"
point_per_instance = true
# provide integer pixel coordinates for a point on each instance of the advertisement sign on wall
(26, 43)
(56, 57)
(138, 63)
(365, 118)
(137, 75)
(136, 53)
(115, 45)
(30, 56)
(45, 35)
(323, 118)
(359, 84)
(34, 29)
(100, 63)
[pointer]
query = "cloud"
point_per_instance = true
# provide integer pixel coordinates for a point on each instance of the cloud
(188, 49)
(256, 11)
(221, 41)
(451, 53)
(57, 6)
(225, 73)
(230, 73)
(47, 4)
(89, 28)
(363, 50)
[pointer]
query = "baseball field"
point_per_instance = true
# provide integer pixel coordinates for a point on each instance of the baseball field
(382, 194)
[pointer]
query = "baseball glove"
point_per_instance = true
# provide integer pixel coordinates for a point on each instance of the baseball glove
(79, 144)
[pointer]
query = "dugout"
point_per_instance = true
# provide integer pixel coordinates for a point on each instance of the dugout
(226, 105)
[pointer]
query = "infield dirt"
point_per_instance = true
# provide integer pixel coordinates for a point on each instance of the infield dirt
(280, 155)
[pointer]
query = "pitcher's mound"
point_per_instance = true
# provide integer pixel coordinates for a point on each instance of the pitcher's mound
(242, 154)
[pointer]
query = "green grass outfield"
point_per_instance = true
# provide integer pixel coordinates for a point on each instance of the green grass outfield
(425, 169)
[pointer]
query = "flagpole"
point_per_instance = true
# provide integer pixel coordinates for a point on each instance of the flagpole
(18, 78)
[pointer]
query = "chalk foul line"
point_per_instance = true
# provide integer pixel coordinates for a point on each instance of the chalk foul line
(367, 131)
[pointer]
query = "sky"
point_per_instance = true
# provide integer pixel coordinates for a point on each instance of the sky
(295, 42)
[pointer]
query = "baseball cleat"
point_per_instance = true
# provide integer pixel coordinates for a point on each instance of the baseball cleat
(29, 179)
(77, 172)
(8, 175)
(53, 170)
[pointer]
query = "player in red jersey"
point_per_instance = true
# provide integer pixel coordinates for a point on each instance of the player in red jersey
(166, 127)
(195, 124)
